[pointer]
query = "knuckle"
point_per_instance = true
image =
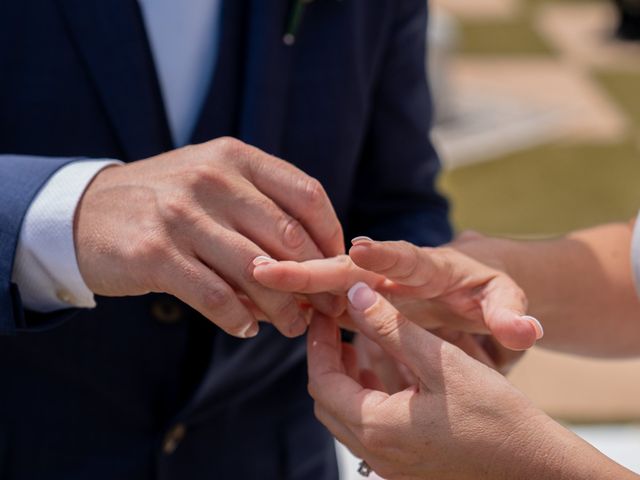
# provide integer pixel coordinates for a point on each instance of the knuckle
(209, 176)
(216, 297)
(313, 193)
(228, 146)
(389, 323)
(177, 209)
(284, 309)
(149, 249)
(247, 272)
(232, 151)
(408, 264)
(292, 233)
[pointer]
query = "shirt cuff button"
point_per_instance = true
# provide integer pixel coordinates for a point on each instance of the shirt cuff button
(66, 297)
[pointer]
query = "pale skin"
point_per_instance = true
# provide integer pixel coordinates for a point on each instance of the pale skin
(458, 418)
(190, 223)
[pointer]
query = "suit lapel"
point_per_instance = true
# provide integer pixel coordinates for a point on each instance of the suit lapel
(111, 39)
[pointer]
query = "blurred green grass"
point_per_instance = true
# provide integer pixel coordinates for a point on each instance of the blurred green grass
(624, 88)
(547, 190)
(501, 38)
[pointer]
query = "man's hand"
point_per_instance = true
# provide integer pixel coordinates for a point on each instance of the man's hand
(434, 287)
(192, 221)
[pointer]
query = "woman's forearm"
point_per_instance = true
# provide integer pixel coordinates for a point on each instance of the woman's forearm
(548, 451)
(580, 286)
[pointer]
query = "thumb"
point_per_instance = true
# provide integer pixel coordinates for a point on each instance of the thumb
(407, 342)
(504, 308)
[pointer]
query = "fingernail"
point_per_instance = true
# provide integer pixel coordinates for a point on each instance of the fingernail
(263, 260)
(536, 324)
(298, 327)
(361, 296)
(307, 314)
(251, 331)
(361, 240)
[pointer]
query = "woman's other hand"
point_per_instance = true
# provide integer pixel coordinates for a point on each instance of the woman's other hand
(459, 420)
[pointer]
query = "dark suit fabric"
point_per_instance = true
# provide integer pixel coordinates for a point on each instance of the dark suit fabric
(93, 394)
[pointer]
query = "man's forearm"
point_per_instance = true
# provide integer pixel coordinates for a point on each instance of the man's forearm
(580, 286)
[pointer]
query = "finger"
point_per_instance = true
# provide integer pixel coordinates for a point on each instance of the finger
(313, 277)
(503, 358)
(469, 345)
(408, 343)
(350, 361)
(258, 217)
(385, 366)
(406, 265)
(340, 431)
(303, 305)
(196, 285)
(231, 256)
(335, 274)
(332, 389)
(504, 306)
(300, 195)
(368, 379)
(345, 322)
(431, 273)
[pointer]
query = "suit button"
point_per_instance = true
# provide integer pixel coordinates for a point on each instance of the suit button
(167, 311)
(173, 438)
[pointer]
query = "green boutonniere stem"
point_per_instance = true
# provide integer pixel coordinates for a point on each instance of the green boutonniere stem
(295, 19)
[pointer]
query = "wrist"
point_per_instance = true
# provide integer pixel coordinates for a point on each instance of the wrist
(543, 449)
(86, 223)
(523, 448)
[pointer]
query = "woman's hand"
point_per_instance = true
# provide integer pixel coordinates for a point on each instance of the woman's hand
(434, 287)
(459, 420)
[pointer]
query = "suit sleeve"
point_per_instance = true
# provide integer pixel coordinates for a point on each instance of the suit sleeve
(395, 195)
(21, 178)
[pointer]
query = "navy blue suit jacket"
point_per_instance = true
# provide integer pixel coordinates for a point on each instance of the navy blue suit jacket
(100, 393)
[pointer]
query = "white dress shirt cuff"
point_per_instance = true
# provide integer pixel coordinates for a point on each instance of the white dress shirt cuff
(45, 268)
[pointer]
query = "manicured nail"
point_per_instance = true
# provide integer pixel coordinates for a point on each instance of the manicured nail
(361, 240)
(361, 296)
(251, 331)
(263, 260)
(536, 324)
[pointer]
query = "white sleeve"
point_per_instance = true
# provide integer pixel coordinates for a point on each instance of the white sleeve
(45, 267)
(635, 254)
